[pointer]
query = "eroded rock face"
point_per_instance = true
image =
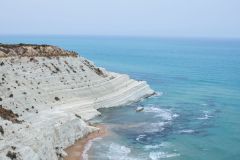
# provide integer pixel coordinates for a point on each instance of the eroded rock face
(46, 94)
(30, 50)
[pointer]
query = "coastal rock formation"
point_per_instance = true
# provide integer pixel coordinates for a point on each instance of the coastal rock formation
(47, 94)
(31, 50)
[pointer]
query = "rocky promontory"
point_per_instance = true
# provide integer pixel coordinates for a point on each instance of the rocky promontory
(33, 50)
(46, 96)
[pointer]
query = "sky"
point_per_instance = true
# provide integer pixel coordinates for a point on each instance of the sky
(158, 18)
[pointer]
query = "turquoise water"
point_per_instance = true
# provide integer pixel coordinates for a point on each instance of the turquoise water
(195, 116)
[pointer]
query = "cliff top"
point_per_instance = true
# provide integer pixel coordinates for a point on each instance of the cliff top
(33, 50)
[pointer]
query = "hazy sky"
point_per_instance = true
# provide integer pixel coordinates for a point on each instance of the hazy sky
(175, 18)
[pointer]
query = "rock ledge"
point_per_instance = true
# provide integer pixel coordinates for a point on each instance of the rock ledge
(46, 96)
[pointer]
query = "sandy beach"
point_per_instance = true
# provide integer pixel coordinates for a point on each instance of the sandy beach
(75, 152)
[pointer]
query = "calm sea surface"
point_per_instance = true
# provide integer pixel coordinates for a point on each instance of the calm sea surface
(196, 115)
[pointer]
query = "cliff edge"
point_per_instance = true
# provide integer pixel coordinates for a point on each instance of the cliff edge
(33, 50)
(47, 94)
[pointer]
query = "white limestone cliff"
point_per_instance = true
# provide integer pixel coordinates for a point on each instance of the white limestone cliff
(47, 94)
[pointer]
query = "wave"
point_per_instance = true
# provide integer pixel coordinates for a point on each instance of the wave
(165, 114)
(141, 136)
(160, 155)
(157, 94)
(187, 131)
(119, 152)
(155, 127)
(165, 117)
(157, 146)
(87, 148)
(206, 115)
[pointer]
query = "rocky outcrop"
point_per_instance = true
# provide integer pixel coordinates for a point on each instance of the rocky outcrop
(31, 50)
(46, 96)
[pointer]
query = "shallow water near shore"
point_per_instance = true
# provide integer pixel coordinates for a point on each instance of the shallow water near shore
(195, 115)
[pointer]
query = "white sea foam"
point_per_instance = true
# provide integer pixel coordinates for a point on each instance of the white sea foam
(119, 152)
(165, 114)
(157, 94)
(206, 115)
(151, 147)
(187, 131)
(87, 148)
(141, 136)
(160, 155)
(155, 127)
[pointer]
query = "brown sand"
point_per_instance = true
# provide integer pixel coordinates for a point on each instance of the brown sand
(75, 151)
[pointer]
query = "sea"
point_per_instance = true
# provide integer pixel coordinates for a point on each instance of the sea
(195, 114)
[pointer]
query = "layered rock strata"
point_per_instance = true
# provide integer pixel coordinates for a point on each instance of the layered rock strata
(46, 96)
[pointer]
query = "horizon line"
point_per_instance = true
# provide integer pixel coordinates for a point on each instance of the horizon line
(124, 36)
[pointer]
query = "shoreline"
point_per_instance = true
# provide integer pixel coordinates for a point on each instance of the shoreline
(77, 150)
(61, 91)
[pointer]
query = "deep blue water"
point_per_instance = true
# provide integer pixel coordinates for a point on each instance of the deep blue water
(197, 117)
